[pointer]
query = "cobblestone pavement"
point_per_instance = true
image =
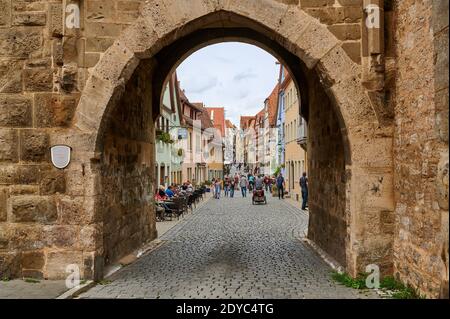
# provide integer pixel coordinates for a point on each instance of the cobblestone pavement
(231, 249)
(20, 289)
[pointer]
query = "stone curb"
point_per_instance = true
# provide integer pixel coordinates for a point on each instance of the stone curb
(324, 255)
(72, 293)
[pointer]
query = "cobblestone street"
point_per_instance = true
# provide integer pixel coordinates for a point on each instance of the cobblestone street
(231, 249)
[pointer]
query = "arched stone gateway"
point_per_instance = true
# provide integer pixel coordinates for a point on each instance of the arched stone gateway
(352, 231)
(377, 116)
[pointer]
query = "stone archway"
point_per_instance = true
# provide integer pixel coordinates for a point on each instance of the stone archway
(368, 143)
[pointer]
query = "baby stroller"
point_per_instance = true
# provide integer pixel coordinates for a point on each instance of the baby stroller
(259, 196)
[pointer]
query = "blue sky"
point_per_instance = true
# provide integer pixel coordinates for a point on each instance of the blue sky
(234, 75)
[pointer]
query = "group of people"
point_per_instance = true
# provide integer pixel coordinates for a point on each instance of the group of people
(251, 182)
(231, 184)
(228, 184)
(164, 197)
(303, 182)
(166, 193)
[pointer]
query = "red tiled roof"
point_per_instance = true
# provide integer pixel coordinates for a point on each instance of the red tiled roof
(228, 124)
(183, 95)
(245, 121)
(272, 105)
(206, 119)
(260, 114)
(218, 118)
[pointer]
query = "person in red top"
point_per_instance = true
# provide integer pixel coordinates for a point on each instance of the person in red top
(266, 182)
(161, 195)
(226, 186)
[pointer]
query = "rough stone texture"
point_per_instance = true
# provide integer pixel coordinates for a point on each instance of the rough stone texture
(5, 12)
(20, 42)
(327, 175)
(29, 19)
(3, 207)
(421, 148)
(52, 90)
(343, 19)
(15, 111)
(11, 76)
(8, 145)
(38, 80)
(34, 145)
(32, 209)
(53, 110)
(127, 173)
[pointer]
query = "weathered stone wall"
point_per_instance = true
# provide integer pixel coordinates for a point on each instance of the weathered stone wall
(98, 208)
(48, 218)
(39, 230)
(421, 145)
(326, 155)
(343, 18)
(127, 172)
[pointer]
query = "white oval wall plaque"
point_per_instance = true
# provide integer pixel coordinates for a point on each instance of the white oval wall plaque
(60, 155)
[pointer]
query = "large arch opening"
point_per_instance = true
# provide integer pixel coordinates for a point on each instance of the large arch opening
(128, 84)
(328, 222)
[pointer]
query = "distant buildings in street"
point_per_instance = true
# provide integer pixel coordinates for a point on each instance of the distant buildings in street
(197, 143)
(273, 141)
(295, 160)
(190, 139)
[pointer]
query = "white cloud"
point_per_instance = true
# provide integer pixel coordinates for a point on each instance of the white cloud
(234, 75)
(200, 84)
(245, 75)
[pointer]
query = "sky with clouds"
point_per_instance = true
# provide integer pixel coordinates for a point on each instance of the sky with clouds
(234, 75)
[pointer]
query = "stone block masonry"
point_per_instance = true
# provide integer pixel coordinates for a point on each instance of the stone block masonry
(421, 146)
(343, 19)
(43, 69)
(388, 91)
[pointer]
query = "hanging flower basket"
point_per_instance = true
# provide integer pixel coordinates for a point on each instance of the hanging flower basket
(164, 137)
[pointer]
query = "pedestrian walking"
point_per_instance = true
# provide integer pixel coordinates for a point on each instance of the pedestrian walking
(271, 182)
(232, 187)
(304, 187)
(243, 185)
(259, 182)
(266, 182)
(213, 187)
(218, 188)
(251, 182)
(280, 186)
(226, 186)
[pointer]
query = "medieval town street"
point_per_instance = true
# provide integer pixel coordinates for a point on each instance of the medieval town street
(121, 119)
(229, 248)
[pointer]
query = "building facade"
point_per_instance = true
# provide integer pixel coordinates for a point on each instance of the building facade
(271, 132)
(239, 146)
(191, 120)
(167, 144)
(230, 143)
(216, 146)
(386, 152)
(280, 124)
(230, 147)
(295, 155)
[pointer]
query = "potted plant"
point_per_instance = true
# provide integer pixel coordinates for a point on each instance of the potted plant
(274, 191)
(164, 137)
